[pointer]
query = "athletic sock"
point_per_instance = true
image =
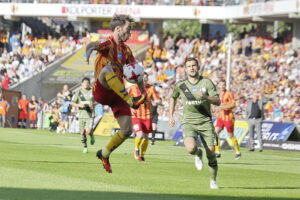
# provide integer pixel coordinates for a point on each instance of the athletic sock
(118, 87)
(83, 140)
(213, 172)
(144, 145)
(235, 145)
(137, 143)
(114, 142)
(197, 152)
(218, 145)
(213, 165)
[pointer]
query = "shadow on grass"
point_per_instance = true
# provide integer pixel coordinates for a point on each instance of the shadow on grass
(243, 163)
(31, 144)
(44, 194)
(264, 188)
(55, 162)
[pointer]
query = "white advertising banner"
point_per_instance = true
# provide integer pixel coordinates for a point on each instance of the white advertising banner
(93, 10)
(152, 12)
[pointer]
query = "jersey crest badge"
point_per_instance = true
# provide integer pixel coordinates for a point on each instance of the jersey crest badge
(120, 55)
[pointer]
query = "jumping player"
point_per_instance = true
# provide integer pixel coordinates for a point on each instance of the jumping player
(109, 89)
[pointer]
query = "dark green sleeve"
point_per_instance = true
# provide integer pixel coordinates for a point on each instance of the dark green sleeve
(75, 98)
(176, 91)
(211, 89)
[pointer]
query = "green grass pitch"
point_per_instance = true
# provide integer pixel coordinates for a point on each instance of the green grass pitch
(39, 165)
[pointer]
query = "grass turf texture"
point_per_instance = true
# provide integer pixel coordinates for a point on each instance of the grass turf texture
(39, 165)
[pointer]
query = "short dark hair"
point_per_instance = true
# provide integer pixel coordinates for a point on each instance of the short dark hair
(188, 59)
(86, 79)
(119, 20)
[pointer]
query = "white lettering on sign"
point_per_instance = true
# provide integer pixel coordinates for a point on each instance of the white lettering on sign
(290, 146)
(259, 8)
(100, 10)
(270, 136)
(87, 10)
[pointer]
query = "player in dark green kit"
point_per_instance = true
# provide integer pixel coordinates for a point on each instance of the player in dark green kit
(197, 94)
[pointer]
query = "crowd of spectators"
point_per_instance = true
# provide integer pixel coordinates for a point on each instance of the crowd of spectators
(58, 116)
(23, 57)
(259, 64)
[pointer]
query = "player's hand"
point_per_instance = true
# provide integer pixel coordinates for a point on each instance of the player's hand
(81, 105)
(89, 49)
(171, 121)
(201, 93)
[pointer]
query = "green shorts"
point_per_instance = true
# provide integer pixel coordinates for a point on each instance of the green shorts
(205, 131)
(85, 124)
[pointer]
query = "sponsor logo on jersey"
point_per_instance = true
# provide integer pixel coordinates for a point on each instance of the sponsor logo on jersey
(196, 102)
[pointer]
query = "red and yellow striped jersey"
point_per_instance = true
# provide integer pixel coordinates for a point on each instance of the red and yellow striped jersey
(144, 111)
(227, 98)
(109, 51)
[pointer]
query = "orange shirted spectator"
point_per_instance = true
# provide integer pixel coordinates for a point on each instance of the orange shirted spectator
(23, 111)
(33, 106)
(4, 106)
(163, 55)
(156, 54)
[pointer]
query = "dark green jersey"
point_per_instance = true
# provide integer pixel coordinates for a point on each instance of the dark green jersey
(196, 110)
(84, 97)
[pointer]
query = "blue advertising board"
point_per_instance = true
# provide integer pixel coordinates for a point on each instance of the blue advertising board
(277, 131)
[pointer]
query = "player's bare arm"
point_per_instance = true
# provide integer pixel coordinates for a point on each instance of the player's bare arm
(89, 49)
(79, 105)
(227, 106)
(141, 87)
(171, 112)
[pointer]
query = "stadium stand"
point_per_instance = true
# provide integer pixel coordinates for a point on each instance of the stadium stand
(259, 63)
(22, 58)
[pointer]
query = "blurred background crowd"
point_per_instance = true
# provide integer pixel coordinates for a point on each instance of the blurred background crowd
(260, 64)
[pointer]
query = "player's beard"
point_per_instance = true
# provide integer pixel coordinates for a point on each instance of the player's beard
(193, 75)
(124, 37)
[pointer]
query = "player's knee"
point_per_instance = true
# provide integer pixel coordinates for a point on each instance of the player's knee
(212, 161)
(127, 131)
(191, 149)
(107, 69)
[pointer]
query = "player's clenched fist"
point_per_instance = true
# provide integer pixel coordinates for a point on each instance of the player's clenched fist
(89, 49)
(171, 121)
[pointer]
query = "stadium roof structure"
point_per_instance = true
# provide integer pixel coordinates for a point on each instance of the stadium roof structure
(285, 10)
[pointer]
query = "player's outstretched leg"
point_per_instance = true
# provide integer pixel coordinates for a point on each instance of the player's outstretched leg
(218, 147)
(92, 139)
(117, 139)
(213, 168)
(83, 140)
(144, 145)
(198, 159)
(105, 161)
(118, 87)
(137, 144)
(236, 148)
